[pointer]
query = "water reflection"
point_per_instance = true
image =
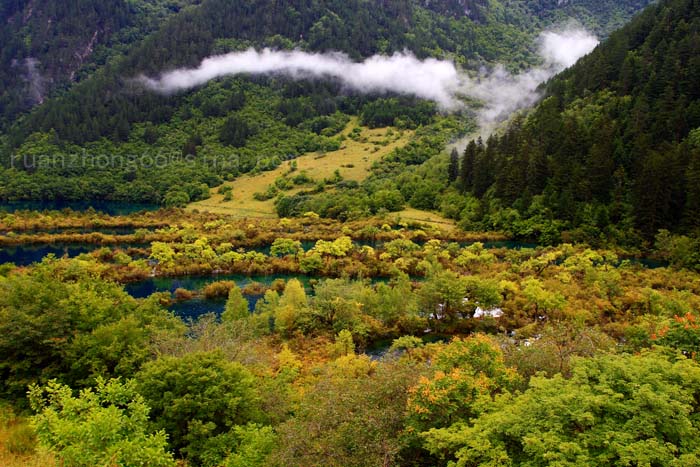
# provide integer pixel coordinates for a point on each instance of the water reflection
(24, 255)
(113, 208)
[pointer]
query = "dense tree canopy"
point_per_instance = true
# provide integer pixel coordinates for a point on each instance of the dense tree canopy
(67, 323)
(631, 410)
(614, 143)
(197, 400)
(105, 425)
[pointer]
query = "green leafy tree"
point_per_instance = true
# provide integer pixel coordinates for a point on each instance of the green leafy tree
(190, 146)
(466, 170)
(197, 399)
(61, 320)
(468, 374)
(351, 416)
(163, 253)
(391, 200)
(614, 410)
(337, 307)
(400, 247)
(107, 425)
(235, 131)
(286, 246)
(176, 198)
(453, 167)
(343, 344)
(540, 299)
(236, 306)
(556, 345)
(338, 248)
(683, 334)
(311, 263)
(292, 312)
(255, 444)
(442, 296)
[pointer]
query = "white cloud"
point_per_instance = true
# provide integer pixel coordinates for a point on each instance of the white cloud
(401, 73)
(564, 48)
(503, 93)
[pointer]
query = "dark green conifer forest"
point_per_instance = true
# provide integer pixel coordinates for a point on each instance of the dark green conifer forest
(614, 143)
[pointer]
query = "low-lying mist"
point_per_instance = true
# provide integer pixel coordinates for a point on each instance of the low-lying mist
(401, 73)
(437, 80)
(503, 93)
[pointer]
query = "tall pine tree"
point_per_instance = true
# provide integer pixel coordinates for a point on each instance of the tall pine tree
(466, 175)
(453, 169)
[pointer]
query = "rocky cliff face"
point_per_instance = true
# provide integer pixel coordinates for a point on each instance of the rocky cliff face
(473, 9)
(46, 43)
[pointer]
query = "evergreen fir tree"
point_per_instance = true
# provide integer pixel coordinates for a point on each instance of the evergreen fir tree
(236, 306)
(453, 169)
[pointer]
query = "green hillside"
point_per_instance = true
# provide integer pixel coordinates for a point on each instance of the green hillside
(105, 114)
(614, 148)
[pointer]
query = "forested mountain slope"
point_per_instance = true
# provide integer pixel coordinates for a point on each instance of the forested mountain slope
(602, 16)
(105, 113)
(47, 45)
(614, 146)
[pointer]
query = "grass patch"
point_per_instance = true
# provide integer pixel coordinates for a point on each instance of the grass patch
(18, 444)
(353, 160)
(416, 215)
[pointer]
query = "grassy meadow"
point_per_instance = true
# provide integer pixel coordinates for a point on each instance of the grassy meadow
(353, 161)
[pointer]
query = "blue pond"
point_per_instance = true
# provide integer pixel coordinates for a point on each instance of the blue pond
(509, 244)
(113, 208)
(24, 255)
(147, 287)
(193, 309)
